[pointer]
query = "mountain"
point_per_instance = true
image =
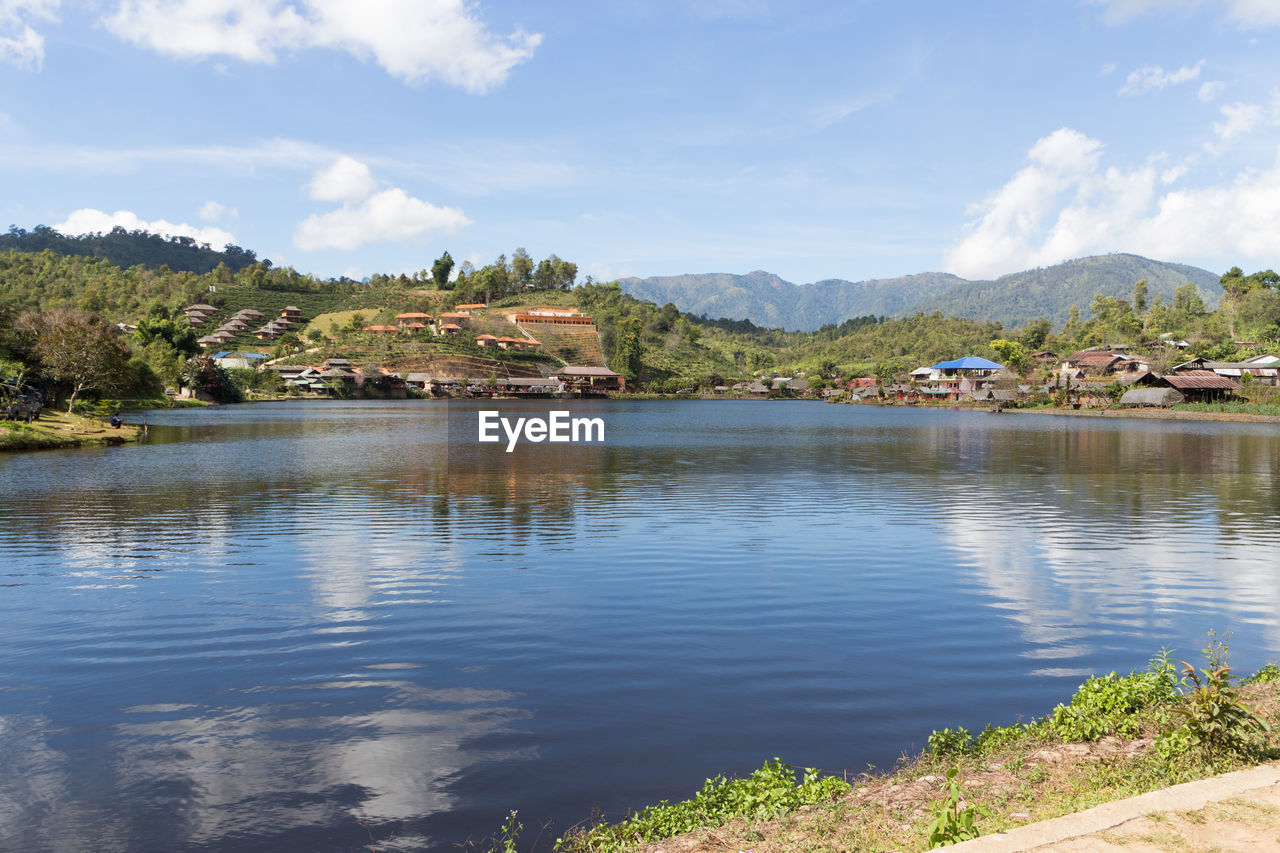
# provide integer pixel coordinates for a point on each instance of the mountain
(1051, 291)
(1014, 299)
(769, 301)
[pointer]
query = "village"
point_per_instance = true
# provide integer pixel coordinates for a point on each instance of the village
(1096, 378)
(569, 333)
(475, 350)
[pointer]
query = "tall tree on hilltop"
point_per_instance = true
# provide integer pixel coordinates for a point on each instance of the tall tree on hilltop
(441, 270)
(522, 267)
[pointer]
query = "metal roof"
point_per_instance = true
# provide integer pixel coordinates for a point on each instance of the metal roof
(1203, 380)
(969, 362)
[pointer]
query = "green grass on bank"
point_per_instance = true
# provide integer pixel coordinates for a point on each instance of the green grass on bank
(1118, 736)
(58, 429)
(1241, 408)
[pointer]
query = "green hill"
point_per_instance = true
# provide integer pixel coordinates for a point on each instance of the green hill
(771, 302)
(131, 248)
(1051, 291)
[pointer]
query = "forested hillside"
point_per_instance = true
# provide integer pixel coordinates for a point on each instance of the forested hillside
(1014, 299)
(767, 300)
(1051, 291)
(130, 248)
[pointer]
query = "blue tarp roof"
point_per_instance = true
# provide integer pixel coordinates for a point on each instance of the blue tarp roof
(969, 362)
(239, 354)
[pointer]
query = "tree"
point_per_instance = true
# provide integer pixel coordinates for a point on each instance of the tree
(544, 275)
(441, 270)
(1073, 322)
(628, 350)
(80, 351)
(1034, 333)
(1013, 355)
(1140, 296)
(204, 375)
(1187, 301)
(521, 268)
(566, 273)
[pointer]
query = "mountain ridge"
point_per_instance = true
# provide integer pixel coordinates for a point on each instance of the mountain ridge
(1014, 299)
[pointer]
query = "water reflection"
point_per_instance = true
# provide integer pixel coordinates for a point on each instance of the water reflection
(276, 621)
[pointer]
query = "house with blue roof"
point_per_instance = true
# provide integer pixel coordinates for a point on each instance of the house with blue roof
(239, 360)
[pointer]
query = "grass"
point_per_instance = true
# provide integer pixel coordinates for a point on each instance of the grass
(1119, 736)
(1241, 408)
(58, 429)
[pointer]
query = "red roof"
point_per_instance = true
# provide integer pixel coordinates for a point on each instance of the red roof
(1203, 380)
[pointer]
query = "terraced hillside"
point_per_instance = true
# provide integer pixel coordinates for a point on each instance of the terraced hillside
(577, 345)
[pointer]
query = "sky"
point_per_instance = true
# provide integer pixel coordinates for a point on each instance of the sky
(815, 140)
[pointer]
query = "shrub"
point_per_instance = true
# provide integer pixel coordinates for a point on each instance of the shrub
(1267, 675)
(952, 823)
(767, 793)
(1216, 720)
(1106, 705)
(951, 742)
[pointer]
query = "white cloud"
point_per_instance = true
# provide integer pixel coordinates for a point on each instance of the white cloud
(1238, 118)
(1153, 77)
(1011, 219)
(88, 220)
(1244, 13)
(1065, 205)
(368, 217)
(414, 40)
(21, 45)
(1210, 90)
(212, 211)
(346, 180)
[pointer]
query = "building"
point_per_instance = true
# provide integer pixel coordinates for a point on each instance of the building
(1198, 386)
(239, 360)
(1151, 397)
(554, 316)
(413, 319)
(590, 380)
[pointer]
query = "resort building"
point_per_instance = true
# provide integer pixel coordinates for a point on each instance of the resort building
(586, 379)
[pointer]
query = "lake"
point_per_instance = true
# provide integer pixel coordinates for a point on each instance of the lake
(297, 626)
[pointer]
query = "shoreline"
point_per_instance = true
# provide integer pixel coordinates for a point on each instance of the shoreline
(1012, 779)
(1153, 415)
(60, 431)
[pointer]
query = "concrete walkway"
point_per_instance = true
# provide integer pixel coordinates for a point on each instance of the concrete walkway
(1235, 812)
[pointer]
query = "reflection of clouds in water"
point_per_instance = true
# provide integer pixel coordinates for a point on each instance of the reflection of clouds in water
(351, 571)
(34, 783)
(1054, 574)
(250, 770)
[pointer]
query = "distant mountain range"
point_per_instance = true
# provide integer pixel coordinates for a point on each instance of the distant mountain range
(767, 300)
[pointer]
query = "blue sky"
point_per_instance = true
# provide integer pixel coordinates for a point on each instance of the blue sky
(814, 140)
